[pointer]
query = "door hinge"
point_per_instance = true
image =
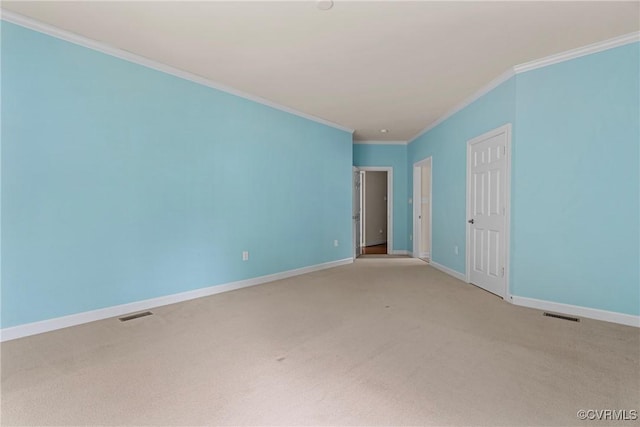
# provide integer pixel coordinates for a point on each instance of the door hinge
(504, 150)
(502, 271)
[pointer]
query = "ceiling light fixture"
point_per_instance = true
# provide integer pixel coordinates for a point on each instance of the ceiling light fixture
(324, 4)
(384, 130)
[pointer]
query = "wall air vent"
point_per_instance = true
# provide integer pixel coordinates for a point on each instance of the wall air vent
(560, 316)
(135, 316)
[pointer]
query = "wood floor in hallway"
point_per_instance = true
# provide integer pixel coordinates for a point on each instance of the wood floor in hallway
(375, 249)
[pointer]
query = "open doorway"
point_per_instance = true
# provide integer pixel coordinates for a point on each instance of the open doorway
(422, 209)
(375, 211)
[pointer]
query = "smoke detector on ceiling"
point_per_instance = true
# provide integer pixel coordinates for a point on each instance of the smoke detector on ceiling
(324, 4)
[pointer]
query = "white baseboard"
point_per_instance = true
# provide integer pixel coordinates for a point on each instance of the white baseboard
(425, 255)
(576, 310)
(27, 329)
(399, 252)
(449, 271)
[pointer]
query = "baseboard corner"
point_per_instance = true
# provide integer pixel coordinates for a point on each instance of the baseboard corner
(575, 310)
(448, 271)
(399, 252)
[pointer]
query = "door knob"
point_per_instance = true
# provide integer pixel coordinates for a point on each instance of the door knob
(471, 221)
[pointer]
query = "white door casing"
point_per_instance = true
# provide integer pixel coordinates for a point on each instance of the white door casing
(357, 249)
(488, 180)
(363, 205)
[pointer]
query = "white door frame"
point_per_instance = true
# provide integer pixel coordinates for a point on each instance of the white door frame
(363, 206)
(506, 129)
(353, 219)
(389, 171)
(417, 196)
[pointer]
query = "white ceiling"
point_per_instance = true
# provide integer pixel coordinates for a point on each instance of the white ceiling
(363, 65)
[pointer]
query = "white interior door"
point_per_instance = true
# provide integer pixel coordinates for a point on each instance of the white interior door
(487, 171)
(425, 211)
(422, 209)
(357, 251)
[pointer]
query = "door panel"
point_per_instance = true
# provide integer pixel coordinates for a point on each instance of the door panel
(493, 195)
(487, 225)
(478, 254)
(493, 249)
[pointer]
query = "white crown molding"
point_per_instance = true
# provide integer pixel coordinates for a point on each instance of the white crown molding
(575, 310)
(468, 101)
(28, 329)
(381, 142)
(576, 53)
(532, 65)
(68, 36)
(140, 60)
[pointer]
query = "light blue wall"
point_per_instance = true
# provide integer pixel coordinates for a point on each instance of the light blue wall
(396, 157)
(121, 183)
(576, 209)
(447, 144)
(575, 220)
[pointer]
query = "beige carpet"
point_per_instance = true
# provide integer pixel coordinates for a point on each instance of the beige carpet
(383, 341)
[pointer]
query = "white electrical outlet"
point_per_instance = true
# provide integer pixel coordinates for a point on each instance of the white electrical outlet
(410, 236)
(245, 255)
(455, 250)
(335, 243)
